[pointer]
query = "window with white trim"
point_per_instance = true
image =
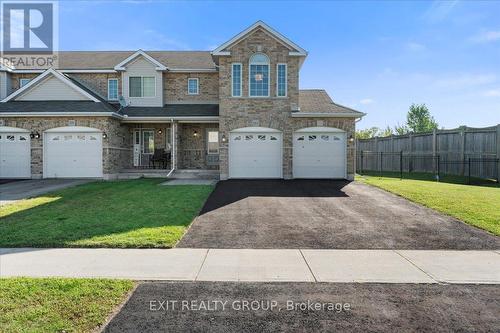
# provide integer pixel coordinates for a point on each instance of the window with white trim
(193, 86)
(142, 86)
(23, 82)
(259, 75)
(112, 89)
(212, 141)
(236, 80)
(281, 74)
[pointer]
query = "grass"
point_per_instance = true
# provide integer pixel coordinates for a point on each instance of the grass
(58, 305)
(475, 205)
(123, 214)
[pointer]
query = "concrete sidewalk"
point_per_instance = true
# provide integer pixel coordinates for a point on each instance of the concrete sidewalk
(294, 265)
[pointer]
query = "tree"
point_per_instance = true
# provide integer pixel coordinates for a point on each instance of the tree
(367, 133)
(386, 132)
(401, 129)
(419, 119)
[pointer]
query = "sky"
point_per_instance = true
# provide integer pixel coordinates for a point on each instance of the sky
(378, 57)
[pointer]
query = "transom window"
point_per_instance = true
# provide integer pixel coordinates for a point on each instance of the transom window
(112, 89)
(193, 84)
(236, 80)
(23, 82)
(259, 75)
(142, 86)
(281, 80)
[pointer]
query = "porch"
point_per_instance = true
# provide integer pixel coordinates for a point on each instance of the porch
(158, 148)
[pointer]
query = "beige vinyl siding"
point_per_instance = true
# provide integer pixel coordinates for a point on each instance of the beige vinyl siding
(142, 67)
(52, 89)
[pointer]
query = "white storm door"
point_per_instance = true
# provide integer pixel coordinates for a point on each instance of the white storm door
(319, 155)
(73, 155)
(15, 155)
(255, 155)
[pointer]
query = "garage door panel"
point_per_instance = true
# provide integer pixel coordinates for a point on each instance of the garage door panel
(255, 155)
(319, 155)
(73, 155)
(15, 155)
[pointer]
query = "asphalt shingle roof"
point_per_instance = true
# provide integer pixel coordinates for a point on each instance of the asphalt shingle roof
(173, 110)
(318, 101)
(109, 59)
(54, 106)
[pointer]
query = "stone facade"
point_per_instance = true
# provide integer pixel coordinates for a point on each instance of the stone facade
(175, 88)
(117, 152)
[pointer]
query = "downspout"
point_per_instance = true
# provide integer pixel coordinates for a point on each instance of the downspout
(174, 148)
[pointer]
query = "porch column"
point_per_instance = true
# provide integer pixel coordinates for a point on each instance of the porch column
(175, 142)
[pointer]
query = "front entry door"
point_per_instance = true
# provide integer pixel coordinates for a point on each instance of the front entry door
(144, 146)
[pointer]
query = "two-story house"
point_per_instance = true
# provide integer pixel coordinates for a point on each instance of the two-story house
(237, 109)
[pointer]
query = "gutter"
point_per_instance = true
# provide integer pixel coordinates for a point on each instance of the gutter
(208, 119)
(328, 115)
(61, 114)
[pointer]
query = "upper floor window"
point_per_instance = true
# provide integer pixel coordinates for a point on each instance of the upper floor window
(23, 82)
(142, 86)
(193, 86)
(112, 89)
(281, 73)
(236, 80)
(259, 75)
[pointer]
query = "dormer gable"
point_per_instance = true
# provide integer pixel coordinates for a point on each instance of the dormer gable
(140, 53)
(225, 49)
(51, 85)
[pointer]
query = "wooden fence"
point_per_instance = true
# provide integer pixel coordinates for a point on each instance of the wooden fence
(461, 151)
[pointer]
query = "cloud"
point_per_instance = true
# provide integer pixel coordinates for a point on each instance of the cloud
(415, 47)
(492, 93)
(439, 11)
(465, 80)
(486, 37)
(366, 101)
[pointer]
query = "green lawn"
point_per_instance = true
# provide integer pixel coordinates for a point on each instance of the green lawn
(475, 205)
(132, 213)
(58, 305)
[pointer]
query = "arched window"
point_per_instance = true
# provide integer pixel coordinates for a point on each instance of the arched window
(259, 75)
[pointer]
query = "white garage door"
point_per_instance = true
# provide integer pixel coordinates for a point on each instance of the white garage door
(73, 152)
(319, 153)
(255, 153)
(15, 153)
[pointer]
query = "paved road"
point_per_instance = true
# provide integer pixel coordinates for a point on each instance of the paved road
(12, 191)
(322, 214)
(371, 308)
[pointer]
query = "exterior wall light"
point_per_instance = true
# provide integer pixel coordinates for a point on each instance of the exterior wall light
(351, 139)
(223, 138)
(35, 135)
(104, 135)
(195, 134)
(160, 131)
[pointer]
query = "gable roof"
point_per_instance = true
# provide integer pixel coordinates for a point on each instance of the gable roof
(220, 51)
(318, 102)
(107, 60)
(140, 53)
(39, 80)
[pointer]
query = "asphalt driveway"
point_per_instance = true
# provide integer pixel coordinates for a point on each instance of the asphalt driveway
(11, 191)
(219, 307)
(321, 214)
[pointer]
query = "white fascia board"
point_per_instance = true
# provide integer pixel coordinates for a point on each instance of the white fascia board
(219, 51)
(159, 66)
(328, 115)
(41, 77)
(7, 129)
(165, 119)
(60, 114)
